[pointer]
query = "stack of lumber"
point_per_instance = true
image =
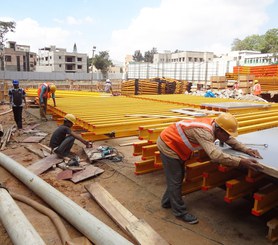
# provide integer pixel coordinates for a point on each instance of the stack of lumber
(153, 86)
(218, 82)
(6, 137)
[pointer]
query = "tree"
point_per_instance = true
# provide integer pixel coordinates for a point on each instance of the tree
(5, 27)
(267, 43)
(138, 57)
(102, 62)
(149, 55)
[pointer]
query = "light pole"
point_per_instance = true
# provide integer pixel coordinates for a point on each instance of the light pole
(92, 77)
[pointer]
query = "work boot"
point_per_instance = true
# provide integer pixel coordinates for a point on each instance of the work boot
(189, 218)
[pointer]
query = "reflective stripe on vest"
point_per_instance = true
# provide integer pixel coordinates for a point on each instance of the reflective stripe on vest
(175, 138)
(190, 124)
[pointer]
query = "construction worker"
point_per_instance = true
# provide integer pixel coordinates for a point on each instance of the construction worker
(63, 138)
(236, 86)
(17, 96)
(44, 92)
(176, 144)
(108, 87)
(257, 90)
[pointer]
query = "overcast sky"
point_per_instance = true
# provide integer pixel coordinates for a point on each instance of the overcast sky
(123, 26)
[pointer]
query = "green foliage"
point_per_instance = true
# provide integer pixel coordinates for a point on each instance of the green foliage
(5, 27)
(102, 62)
(267, 43)
(149, 55)
(138, 57)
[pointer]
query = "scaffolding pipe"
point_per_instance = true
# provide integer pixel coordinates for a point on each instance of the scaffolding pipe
(20, 230)
(87, 224)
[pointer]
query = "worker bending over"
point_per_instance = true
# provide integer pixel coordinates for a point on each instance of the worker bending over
(44, 92)
(176, 144)
(63, 138)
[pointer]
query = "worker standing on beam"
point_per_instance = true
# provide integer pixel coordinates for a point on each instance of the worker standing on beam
(63, 138)
(176, 144)
(44, 92)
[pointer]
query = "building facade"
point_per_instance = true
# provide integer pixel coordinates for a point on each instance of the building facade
(52, 59)
(186, 56)
(18, 58)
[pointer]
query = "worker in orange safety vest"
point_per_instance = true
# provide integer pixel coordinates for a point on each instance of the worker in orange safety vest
(176, 144)
(45, 90)
(257, 90)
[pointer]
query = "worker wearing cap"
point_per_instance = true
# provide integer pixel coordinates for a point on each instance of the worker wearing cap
(63, 138)
(257, 90)
(44, 92)
(176, 144)
(17, 96)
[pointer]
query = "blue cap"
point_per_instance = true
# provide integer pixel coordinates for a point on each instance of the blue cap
(15, 82)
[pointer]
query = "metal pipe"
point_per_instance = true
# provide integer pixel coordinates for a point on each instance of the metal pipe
(17, 225)
(90, 226)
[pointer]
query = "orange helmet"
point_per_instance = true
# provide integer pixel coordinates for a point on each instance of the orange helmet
(228, 123)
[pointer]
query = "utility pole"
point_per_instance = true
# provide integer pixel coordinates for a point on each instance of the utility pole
(92, 65)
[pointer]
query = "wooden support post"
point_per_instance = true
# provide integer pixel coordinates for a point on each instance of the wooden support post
(237, 188)
(265, 199)
(253, 176)
(137, 147)
(148, 151)
(217, 178)
(188, 187)
(144, 167)
(272, 235)
(157, 160)
(194, 171)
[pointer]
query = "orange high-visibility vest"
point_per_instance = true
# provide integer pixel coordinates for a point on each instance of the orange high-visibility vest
(175, 138)
(46, 93)
(257, 90)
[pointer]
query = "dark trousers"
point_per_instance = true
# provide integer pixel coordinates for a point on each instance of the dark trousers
(17, 110)
(64, 148)
(174, 171)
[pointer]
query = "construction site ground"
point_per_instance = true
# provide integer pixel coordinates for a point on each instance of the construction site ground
(219, 222)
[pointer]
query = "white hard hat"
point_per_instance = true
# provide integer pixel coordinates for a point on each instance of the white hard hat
(108, 80)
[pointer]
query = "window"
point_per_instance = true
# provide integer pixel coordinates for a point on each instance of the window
(79, 67)
(60, 65)
(195, 59)
(79, 59)
(8, 58)
(60, 57)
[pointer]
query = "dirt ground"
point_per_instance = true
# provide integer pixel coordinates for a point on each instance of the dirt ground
(219, 222)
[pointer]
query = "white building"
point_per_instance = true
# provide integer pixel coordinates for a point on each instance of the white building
(52, 59)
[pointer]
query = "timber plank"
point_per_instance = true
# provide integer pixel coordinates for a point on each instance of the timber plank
(139, 230)
(86, 173)
(44, 164)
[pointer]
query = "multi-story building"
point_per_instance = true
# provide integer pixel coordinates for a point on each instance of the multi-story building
(185, 56)
(52, 59)
(18, 58)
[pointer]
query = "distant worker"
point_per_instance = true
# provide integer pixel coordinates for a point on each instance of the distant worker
(236, 86)
(257, 90)
(63, 138)
(176, 144)
(44, 92)
(108, 87)
(17, 96)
